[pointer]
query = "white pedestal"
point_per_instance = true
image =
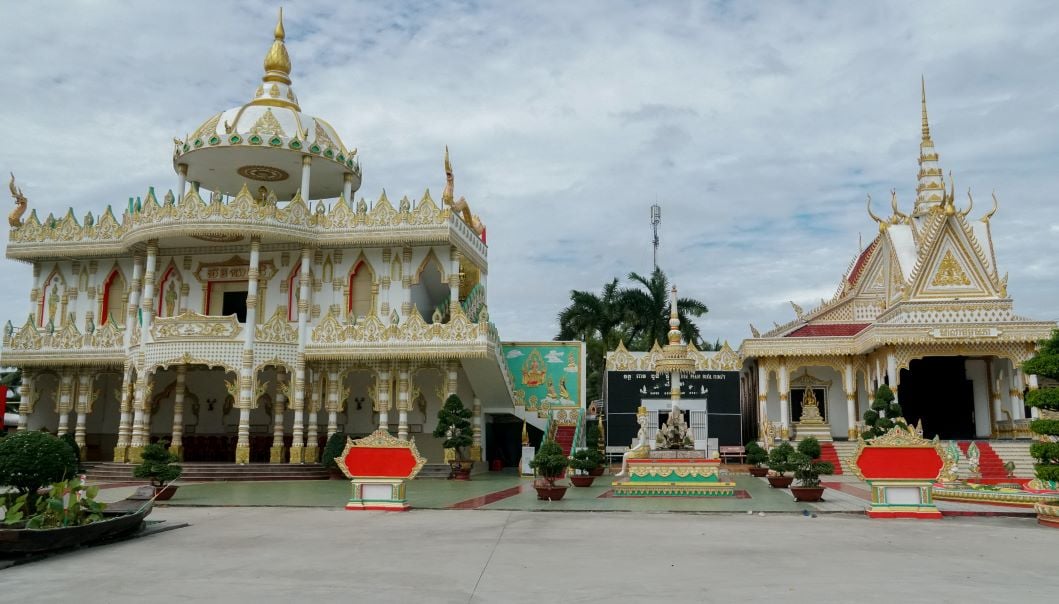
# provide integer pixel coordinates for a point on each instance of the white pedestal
(527, 457)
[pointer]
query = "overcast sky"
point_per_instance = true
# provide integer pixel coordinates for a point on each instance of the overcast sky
(759, 128)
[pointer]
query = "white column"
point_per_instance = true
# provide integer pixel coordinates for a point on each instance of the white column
(147, 307)
(125, 421)
(182, 181)
(1035, 413)
(998, 414)
(332, 400)
(785, 413)
(278, 409)
(139, 406)
(476, 427)
(177, 446)
(297, 450)
(762, 399)
(134, 300)
(850, 384)
(307, 161)
(891, 372)
(454, 282)
(347, 188)
(246, 377)
(65, 392)
(403, 402)
(312, 447)
(84, 384)
(25, 395)
(1018, 408)
(385, 385)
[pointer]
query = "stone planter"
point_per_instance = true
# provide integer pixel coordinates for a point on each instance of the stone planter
(759, 472)
(164, 493)
(596, 471)
(780, 482)
(548, 492)
(461, 470)
(808, 493)
(582, 480)
(1047, 513)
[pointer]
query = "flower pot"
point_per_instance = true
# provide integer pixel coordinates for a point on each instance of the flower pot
(551, 492)
(461, 470)
(780, 482)
(164, 493)
(759, 472)
(596, 471)
(807, 493)
(1047, 513)
(582, 480)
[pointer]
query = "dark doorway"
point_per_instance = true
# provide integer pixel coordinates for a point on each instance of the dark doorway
(936, 390)
(234, 303)
(503, 436)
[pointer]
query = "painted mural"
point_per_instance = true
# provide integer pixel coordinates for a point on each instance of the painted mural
(546, 375)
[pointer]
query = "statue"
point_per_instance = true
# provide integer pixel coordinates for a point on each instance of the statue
(674, 434)
(460, 207)
(15, 217)
(564, 394)
(952, 455)
(362, 206)
(642, 449)
(170, 299)
(53, 302)
(551, 389)
(973, 460)
(810, 407)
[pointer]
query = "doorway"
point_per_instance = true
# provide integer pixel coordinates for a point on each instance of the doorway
(234, 303)
(936, 391)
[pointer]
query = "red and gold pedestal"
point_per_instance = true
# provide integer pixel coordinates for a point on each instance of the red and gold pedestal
(901, 468)
(378, 466)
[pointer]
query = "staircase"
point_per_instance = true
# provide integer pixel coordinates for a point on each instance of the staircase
(830, 454)
(1018, 452)
(107, 472)
(990, 465)
(564, 437)
(844, 449)
(435, 470)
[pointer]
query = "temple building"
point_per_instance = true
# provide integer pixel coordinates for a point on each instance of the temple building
(923, 308)
(255, 308)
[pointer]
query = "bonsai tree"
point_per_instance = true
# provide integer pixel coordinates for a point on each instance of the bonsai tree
(336, 443)
(756, 455)
(1046, 451)
(779, 458)
(158, 465)
(883, 415)
(807, 470)
(454, 426)
(31, 460)
(586, 460)
(549, 462)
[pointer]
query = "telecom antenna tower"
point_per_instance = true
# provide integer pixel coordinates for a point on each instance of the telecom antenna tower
(656, 219)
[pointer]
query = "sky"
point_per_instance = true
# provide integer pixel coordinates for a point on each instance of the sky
(759, 127)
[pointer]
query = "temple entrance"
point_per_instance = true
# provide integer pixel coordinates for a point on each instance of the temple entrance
(937, 391)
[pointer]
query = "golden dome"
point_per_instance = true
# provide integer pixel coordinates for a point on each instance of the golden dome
(277, 61)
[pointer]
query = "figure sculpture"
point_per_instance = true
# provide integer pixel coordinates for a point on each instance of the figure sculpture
(642, 449)
(459, 207)
(15, 217)
(674, 434)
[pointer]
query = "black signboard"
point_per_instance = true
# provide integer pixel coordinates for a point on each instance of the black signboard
(720, 389)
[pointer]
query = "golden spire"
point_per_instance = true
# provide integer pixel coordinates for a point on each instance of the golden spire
(926, 124)
(277, 61)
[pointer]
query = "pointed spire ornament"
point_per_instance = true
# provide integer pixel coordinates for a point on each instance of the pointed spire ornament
(277, 61)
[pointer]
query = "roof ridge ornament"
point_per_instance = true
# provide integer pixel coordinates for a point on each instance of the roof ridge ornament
(882, 223)
(277, 61)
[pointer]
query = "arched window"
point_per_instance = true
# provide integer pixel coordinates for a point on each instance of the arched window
(114, 302)
(50, 297)
(359, 300)
(293, 292)
(430, 289)
(169, 292)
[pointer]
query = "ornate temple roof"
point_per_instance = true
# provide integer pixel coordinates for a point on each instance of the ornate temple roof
(262, 142)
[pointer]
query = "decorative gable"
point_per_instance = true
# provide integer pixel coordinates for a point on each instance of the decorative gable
(949, 267)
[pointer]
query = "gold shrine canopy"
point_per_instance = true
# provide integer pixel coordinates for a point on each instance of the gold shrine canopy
(265, 142)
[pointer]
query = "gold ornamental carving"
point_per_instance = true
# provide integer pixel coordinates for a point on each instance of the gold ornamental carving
(381, 439)
(950, 274)
(192, 325)
(263, 173)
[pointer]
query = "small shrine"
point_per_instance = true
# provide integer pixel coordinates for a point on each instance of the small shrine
(673, 466)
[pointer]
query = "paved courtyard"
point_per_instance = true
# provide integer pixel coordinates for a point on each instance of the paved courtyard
(321, 555)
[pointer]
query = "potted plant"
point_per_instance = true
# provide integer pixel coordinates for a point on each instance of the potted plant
(455, 427)
(336, 443)
(159, 466)
(549, 464)
(592, 442)
(779, 464)
(585, 460)
(758, 459)
(1046, 450)
(807, 470)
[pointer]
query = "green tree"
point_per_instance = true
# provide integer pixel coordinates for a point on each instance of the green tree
(30, 460)
(883, 415)
(158, 465)
(1045, 364)
(454, 426)
(596, 321)
(647, 306)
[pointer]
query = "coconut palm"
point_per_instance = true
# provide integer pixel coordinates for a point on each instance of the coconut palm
(591, 316)
(647, 305)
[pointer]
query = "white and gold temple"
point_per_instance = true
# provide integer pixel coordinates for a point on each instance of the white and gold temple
(923, 308)
(255, 308)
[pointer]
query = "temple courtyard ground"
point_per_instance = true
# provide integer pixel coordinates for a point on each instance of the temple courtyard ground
(268, 554)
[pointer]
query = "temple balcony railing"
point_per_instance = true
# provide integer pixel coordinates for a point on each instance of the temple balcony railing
(30, 345)
(219, 221)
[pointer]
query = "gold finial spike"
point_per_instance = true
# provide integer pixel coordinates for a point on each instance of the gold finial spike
(277, 61)
(990, 213)
(926, 124)
(882, 223)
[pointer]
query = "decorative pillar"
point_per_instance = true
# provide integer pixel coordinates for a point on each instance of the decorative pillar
(1035, 413)
(784, 385)
(139, 405)
(476, 427)
(133, 302)
(63, 406)
(246, 377)
(997, 411)
(176, 447)
(84, 385)
(891, 373)
(762, 401)
(307, 161)
(403, 401)
(297, 449)
(147, 304)
(454, 282)
(385, 386)
(312, 447)
(275, 455)
(850, 385)
(182, 180)
(1018, 408)
(332, 399)
(347, 188)
(121, 450)
(406, 281)
(25, 395)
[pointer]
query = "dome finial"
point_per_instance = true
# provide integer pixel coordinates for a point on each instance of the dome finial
(277, 61)
(926, 124)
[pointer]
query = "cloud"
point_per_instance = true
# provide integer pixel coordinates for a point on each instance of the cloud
(514, 354)
(554, 356)
(759, 128)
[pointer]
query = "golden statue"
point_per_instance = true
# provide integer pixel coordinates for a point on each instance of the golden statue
(170, 299)
(564, 394)
(459, 207)
(15, 217)
(53, 302)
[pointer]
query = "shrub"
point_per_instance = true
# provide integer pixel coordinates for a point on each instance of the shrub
(1048, 427)
(756, 454)
(31, 460)
(336, 443)
(549, 461)
(586, 460)
(1045, 363)
(67, 503)
(779, 458)
(883, 415)
(454, 426)
(158, 465)
(810, 447)
(71, 441)
(806, 469)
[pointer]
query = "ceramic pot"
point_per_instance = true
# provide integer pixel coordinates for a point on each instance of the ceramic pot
(551, 493)
(596, 471)
(759, 472)
(164, 493)
(582, 480)
(807, 493)
(780, 482)
(461, 470)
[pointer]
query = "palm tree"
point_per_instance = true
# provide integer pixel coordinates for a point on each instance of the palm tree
(591, 316)
(647, 305)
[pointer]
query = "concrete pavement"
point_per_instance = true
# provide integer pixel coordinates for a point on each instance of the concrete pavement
(309, 555)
